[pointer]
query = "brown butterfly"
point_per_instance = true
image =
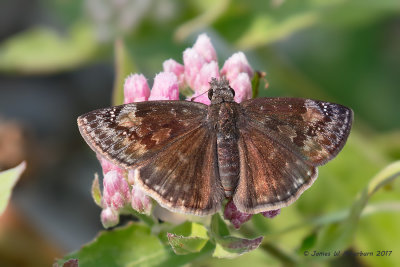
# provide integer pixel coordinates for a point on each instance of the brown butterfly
(188, 156)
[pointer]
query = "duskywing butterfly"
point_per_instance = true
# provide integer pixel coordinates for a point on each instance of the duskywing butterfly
(263, 152)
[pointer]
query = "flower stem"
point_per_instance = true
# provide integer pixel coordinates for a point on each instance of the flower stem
(286, 258)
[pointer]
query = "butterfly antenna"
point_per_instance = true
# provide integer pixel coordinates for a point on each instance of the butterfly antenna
(215, 82)
(193, 98)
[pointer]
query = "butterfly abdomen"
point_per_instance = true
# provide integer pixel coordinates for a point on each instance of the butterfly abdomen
(227, 147)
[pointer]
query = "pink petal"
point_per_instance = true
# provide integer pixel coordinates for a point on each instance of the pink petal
(242, 86)
(236, 64)
(118, 201)
(193, 63)
(116, 191)
(203, 78)
(165, 87)
(204, 47)
(140, 201)
(107, 165)
(171, 65)
(136, 89)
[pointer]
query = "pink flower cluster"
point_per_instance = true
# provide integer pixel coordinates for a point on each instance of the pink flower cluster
(200, 64)
(119, 194)
(238, 218)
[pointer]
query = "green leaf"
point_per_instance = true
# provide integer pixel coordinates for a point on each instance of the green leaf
(230, 246)
(186, 244)
(8, 179)
(341, 235)
(255, 82)
(278, 21)
(265, 29)
(218, 226)
(132, 245)
(123, 67)
(190, 229)
(96, 193)
(188, 238)
(43, 50)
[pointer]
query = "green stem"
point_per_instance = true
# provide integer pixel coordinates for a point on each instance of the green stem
(283, 256)
(123, 66)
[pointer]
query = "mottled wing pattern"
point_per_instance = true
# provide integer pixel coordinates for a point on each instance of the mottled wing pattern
(271, 175)
(315, 130)
(282, 140)
(185, 177)
(130, 134)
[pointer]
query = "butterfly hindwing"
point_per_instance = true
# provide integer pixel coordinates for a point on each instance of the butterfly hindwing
(130, 134)
(171, 147)
(271, 176)
(185, 177)
(315, 130)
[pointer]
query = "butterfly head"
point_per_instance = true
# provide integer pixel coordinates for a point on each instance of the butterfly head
(220, 91)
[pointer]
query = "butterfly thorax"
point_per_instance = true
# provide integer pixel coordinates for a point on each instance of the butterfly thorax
(220, 91)
(224, 109)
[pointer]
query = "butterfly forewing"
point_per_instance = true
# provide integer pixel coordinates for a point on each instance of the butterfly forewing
(281, 142)
(189, 156)
(130, 134)
(313, 129)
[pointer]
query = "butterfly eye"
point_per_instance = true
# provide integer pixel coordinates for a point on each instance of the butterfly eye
(210, 94)
(232, 91)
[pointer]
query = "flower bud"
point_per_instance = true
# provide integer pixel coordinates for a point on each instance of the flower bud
(107, 166)
(109, 217)
(116, 193)
(140, 201)
(271, 213)
(165, 87)
(236, 64)
(193, 63)
(171, 65)
(236, 217)
(136, 89)
(242, 86)
(204, 47)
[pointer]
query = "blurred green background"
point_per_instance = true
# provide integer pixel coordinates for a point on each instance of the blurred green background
(57, 61)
